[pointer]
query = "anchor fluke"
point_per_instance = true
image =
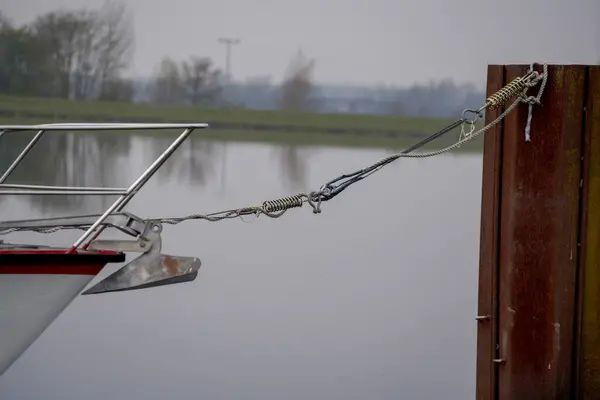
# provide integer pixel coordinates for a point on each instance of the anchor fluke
(150, 269)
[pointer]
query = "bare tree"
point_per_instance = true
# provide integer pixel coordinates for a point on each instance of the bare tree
(115, 46)
(167, 83)
(201, 81)
(70, 53)
(63, 35)
(85, 50)
(85, 56)
(297, 87)
(5, 22)
(194, 81)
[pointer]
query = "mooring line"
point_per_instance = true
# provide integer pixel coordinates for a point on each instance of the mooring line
(278, 207)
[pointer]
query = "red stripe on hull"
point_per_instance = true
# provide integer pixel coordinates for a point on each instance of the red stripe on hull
(48, 261)
(52, 269)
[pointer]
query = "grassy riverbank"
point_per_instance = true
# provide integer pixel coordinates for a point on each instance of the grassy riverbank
(239, 124)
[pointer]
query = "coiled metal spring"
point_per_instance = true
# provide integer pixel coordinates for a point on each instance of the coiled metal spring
(284, 203)
(506, 93)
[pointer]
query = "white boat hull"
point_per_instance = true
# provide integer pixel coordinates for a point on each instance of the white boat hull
(29, 303)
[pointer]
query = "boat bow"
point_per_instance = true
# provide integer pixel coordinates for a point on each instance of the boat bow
(37, 282)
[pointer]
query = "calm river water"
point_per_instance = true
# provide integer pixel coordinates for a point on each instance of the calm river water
(375, 298)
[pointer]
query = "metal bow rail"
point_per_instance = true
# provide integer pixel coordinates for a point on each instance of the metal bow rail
(126, 194)
(146, 270)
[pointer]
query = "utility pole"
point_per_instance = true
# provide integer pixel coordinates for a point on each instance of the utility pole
(228, 42)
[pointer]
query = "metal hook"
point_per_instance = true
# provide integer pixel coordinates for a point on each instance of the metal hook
(478, 115)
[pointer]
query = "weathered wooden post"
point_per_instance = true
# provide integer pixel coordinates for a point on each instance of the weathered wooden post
(539, 283)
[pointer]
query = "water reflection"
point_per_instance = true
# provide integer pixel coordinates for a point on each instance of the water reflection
(66, 159)
(292, 161)
(117, 159)
(374, 298)
(193, 163)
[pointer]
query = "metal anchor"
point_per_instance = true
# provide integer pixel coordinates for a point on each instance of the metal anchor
(150, 269)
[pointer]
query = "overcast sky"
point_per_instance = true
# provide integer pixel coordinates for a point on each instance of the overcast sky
(357, 41)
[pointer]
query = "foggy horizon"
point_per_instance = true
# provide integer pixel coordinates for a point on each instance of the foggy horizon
(356, 42)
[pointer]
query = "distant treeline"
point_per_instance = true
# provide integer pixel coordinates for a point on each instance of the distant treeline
(85, 54)
(79, 54)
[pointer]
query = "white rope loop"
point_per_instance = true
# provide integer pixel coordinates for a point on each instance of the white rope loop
(533, 100)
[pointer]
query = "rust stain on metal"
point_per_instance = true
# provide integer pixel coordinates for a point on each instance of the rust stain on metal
(589, 299)
(171, 264)
(539, 212)
(487, 334)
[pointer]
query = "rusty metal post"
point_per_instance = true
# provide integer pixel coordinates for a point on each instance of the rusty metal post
(487, 319)
(589, 287)
(528, 347)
